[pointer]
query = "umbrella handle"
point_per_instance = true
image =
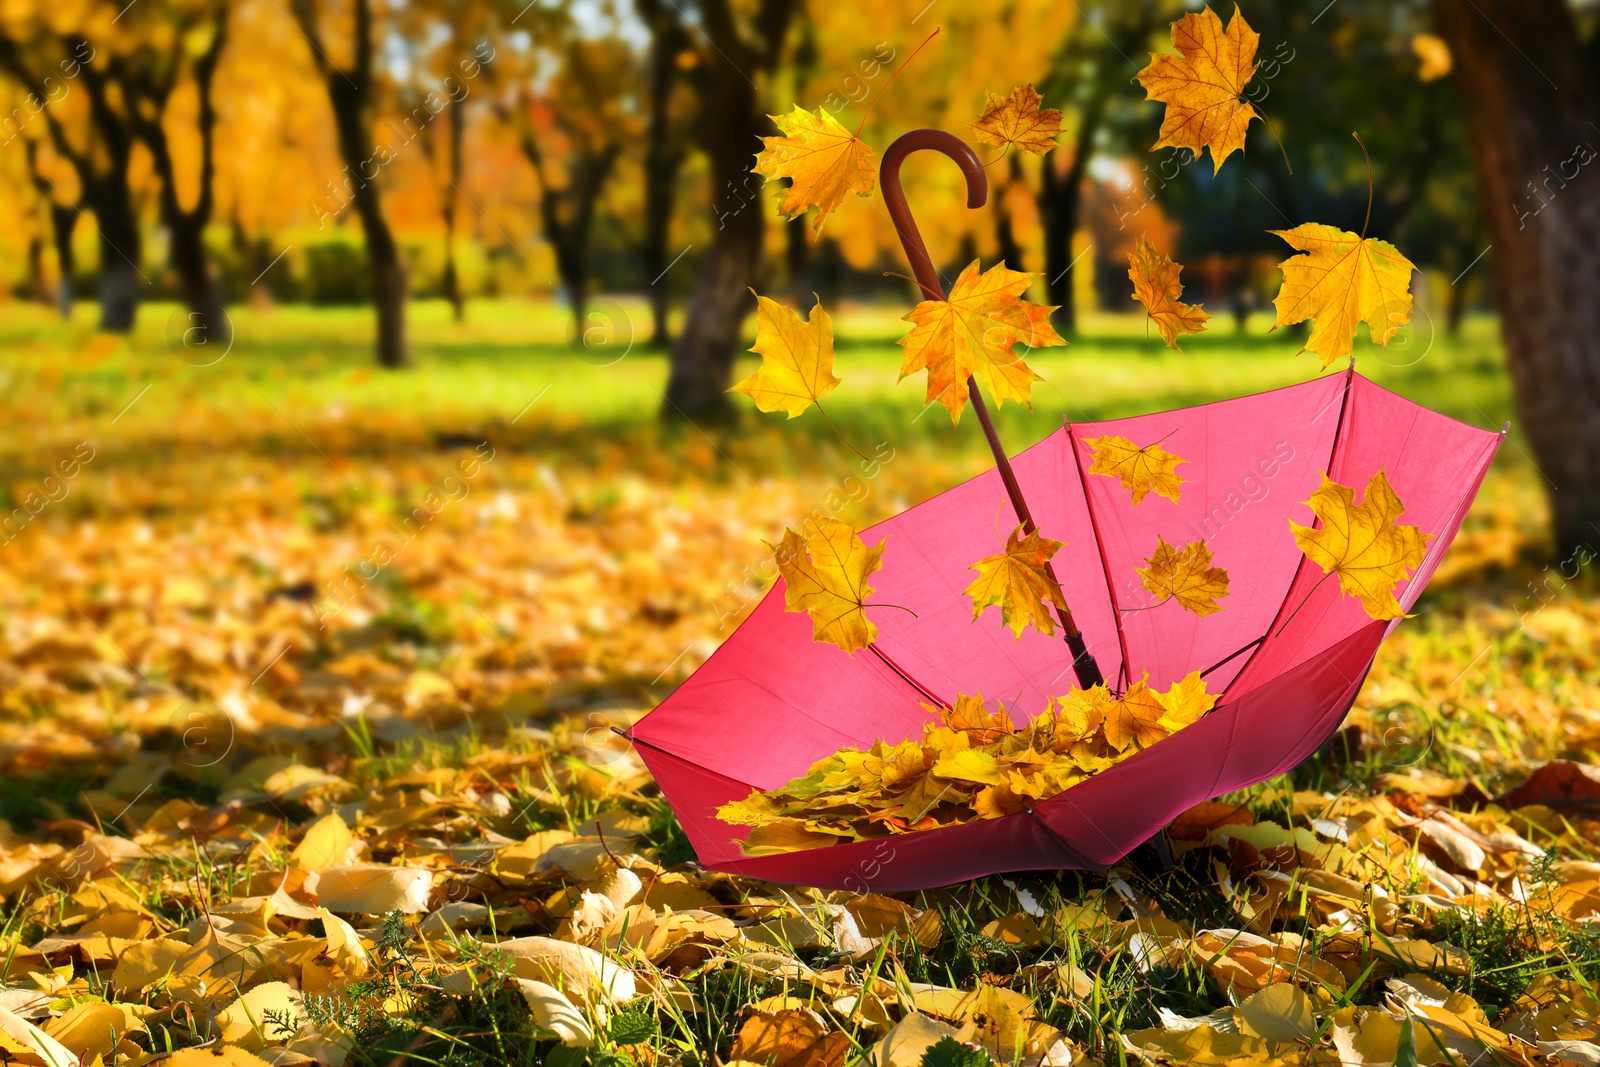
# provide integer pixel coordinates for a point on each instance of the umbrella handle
(954, 148)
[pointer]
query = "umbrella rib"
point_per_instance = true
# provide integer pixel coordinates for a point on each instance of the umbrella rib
(912, 682)
(1123, 671)
(1333, 451)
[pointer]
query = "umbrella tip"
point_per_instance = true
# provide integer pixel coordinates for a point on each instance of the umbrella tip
(1506, 428)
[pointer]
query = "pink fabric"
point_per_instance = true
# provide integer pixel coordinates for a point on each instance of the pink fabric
(770, 701)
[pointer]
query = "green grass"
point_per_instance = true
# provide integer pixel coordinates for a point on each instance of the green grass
(291, 364)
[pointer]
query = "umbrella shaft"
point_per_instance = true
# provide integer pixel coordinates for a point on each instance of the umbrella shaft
(1083, 663)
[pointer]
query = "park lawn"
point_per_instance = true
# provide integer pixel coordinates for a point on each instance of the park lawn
(204, 656)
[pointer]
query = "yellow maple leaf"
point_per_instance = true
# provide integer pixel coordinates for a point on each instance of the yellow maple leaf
(1135, 718)
(1018, 120)
(1139, 469)
(1203, 87)
(973, 333)
(1339, 279)
(1185, 701)
(1080, 713)
(796, 358)
(825, 574)
(1156, 286)
(1016, 581)
(822, 160)
(1143, 716)
(1362, 543)
(1185, 575)
(970, 715)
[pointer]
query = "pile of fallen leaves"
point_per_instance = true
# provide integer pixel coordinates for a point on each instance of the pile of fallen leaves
(970, 763)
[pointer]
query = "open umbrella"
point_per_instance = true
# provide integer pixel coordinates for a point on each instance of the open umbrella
(1288, 655)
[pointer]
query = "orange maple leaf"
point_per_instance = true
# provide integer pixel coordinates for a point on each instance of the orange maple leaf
(1202, 88)
(1185, 575)
(822, 161)
(973, 334)
(1016, 581)
(1156, 286)
(1018, 120)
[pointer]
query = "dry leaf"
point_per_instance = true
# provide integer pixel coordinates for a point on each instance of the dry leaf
(1340, 279)
(825, 575)
(1156, 286)
(1016, 582)
(974, 334)
(373, 889)
(1018, 120)
(1185, 575)
(796, 359)
(822, 160)
(1362, 543)
(555, 1013)
(1203, 88)
(1140, 470)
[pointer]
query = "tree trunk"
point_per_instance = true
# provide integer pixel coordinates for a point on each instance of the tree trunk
(702, 361)
(63, 221)
(729, 128)
(1005, 234)
(349, 95)
(451, 281)
(120, 251)
(663, 158)
(1531, 141)
(1060, 199)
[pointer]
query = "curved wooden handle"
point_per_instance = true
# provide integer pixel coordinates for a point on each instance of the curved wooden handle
(954, 148)
(950, 146)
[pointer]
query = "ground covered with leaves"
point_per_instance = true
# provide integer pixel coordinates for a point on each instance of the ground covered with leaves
(307, 686)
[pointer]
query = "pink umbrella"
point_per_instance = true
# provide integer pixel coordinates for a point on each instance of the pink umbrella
(1288, 655)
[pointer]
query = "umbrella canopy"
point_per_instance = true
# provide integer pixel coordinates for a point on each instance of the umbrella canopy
(770, 702)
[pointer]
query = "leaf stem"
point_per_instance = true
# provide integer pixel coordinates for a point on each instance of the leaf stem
(897, 607)
(836, 430)
(1274, 131)
(931, 294)
(1364, 152)
(892, 77)
(1003, 153)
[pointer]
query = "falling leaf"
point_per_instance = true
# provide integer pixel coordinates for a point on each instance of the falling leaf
(825, 574)
(822, 159)
(1139, 469)
(1362, 543)
(1203, 88)
(1018, 120)
(1185, 575)
(1338, 280)
(973, 334)
(796, 359)
(1156, 286)
(1435, 56)
(1016, 581)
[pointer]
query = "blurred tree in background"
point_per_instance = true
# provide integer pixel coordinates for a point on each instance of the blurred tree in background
(563, 148)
